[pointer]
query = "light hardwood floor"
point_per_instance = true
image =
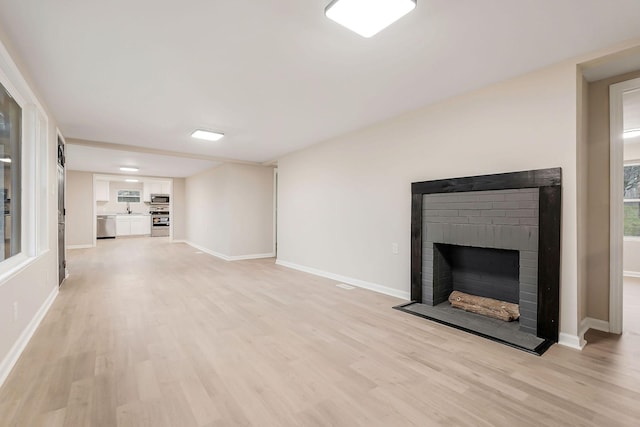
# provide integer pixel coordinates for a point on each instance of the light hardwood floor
(150, 333)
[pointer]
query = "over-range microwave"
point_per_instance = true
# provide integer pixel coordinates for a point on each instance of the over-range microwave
(159, 199)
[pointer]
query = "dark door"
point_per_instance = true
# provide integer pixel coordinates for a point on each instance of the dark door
(62, 263)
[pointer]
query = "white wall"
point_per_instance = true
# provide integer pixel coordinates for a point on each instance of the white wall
(251, 197)
(79, 221)
(342, 203)
(32, 284)
(229, 211)
(178, 203)
(582, 164)
(207, 210)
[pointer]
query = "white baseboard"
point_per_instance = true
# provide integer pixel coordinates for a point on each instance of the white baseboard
(251, 256)
(591, 323)
(12, 357)
(571, 341)
(631, 273)
(351, 281)
(79, 246)
(229, 257)
(208, 251)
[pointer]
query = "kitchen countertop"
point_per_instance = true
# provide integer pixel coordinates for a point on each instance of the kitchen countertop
(123, 214)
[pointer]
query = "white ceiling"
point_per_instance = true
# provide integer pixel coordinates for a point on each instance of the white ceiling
(276, 75)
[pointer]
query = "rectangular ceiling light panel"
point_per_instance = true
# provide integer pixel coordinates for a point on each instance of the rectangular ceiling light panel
(207, 135)
(368, 17)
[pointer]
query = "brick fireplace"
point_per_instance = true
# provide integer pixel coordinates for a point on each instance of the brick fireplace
(495, 236)
(479, 223)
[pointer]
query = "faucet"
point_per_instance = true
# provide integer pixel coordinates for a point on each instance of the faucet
(128, 208)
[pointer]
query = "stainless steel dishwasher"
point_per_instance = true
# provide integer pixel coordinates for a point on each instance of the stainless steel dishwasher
(106, 227)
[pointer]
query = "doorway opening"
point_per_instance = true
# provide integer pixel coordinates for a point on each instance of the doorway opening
(137, 207)
(624, 305)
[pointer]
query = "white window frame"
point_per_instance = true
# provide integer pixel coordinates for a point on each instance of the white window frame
(35, 167)
(624, 237)
(129, 189)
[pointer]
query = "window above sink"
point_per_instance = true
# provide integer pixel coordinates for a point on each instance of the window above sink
(131, 196)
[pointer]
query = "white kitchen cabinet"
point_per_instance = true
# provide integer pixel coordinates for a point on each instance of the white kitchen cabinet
(123, 226)
(102, 191)
(155, 187)
(148, 189)
(133, 225)
(140, 225)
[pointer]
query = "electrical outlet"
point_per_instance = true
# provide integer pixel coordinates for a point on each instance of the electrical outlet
(15, 311)
(394, 248)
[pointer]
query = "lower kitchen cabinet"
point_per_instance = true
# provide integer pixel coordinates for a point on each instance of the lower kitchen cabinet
(140, 225)
(133, 225)
(123, 226)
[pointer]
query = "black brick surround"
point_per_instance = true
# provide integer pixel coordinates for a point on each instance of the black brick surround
(547, 185)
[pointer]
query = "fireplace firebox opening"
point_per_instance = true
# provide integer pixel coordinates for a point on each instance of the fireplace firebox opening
(485, 272)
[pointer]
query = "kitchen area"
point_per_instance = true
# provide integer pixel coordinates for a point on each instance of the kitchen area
(127, 207)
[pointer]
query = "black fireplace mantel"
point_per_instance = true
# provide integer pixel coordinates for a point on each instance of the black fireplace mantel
(549, 184)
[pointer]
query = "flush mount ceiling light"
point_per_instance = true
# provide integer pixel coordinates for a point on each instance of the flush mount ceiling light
(129, 169)
(131, 180)
(368, 17)
(207, 135)
(631, 133)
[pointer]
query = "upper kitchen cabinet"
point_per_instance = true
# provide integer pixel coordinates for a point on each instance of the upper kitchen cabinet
(155, 187)
(165, 186)
(102, 191)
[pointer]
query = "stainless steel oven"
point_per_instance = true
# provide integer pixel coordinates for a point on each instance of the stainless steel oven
(160, 221)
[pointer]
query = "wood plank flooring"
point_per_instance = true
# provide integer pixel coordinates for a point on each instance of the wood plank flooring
(151, 333)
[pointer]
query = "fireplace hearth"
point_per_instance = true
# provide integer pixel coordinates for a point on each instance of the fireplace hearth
(495, 236)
